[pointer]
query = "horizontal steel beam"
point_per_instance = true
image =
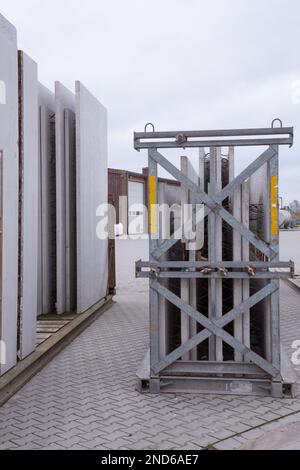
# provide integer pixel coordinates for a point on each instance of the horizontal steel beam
(213, 143)
(208, 264)
(212, 275)
(234, 137)
(216, 270)
(215, 385)
(198, 368)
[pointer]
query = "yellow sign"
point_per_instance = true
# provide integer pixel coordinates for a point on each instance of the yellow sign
(153, 202)
(274, 206)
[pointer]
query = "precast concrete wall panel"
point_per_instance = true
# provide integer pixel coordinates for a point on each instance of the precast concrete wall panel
(64, 100)
(70, 185)
(92, 189)
(9, 146)
(47, 202)
(260, 219)
(28, 204)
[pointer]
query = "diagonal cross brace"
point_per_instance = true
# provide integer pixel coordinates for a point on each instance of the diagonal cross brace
(245, 174)
(214, 204)
(215, 328)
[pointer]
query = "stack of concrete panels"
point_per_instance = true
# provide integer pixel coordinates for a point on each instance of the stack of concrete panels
(53, 180)
(81, 187)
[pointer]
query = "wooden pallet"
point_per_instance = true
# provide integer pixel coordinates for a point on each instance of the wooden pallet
(47, 328)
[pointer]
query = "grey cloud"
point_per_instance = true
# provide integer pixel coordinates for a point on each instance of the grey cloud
(181, 63)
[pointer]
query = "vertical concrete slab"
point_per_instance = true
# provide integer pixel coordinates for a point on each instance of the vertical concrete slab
(188, 286)
(260, 196)
(70, 185)
(28, 204)
(215, 252)
(64, 99)
(246, 257)
(47, 203)
(237, 283)
(164, 228)
(92, 191)
(9, 145)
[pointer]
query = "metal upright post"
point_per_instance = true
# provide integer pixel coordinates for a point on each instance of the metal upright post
(212, 253)
(245, 257)
(219, 252)
(164, 233)
(215, 252)
(237, 256)
(275, 307)
(185, 283)
(193, 282)
(154, 384)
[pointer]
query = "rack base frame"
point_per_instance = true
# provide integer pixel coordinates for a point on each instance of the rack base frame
(219, 378)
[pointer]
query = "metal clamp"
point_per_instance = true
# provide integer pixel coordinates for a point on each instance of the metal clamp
(207, 271)
(223, 271)
(251, 271)
(154, 273)
(180, 139)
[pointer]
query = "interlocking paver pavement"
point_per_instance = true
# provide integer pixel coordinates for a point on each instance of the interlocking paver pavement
(86, 398)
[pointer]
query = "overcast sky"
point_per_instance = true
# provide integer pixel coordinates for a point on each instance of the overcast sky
(183, 64)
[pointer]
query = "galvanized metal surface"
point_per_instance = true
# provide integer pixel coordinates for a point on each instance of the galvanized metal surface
(214, 269)
(234, 138)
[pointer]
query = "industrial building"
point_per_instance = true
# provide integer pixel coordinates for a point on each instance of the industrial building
(128, 192)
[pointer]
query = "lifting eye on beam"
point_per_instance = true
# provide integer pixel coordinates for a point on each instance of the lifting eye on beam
(277, 120)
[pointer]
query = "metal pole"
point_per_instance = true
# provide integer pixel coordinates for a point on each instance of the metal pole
(154, 384)
(275, 308)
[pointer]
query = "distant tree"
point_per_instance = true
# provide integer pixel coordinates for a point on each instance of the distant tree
(295, 207)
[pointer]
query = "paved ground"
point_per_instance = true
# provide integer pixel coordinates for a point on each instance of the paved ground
(86, 398)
